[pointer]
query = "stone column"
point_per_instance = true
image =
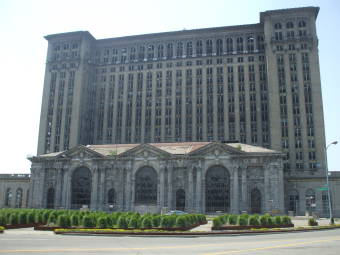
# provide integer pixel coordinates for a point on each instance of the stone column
(267, 196)
(59, 188)
(190, 195)
(170, 173)
(160, 199)
(102, 185)
(128, 202)
(235, 208)
(244, 205)
(66, 193)
(94, 193)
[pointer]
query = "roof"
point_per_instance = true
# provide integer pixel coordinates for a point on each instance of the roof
(181, 148)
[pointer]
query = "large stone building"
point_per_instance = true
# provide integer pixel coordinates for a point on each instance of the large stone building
(258, 84)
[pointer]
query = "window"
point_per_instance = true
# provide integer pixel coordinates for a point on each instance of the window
(81, 188)
(239, 45)
(199, 48)
(111, 197)
(219, 47)
(229, 45)
(277, 26)
(50, 198)
(209, 48)
(146, 186)
(8, 197)
(189, 49)
(289, 25)
(302, 23)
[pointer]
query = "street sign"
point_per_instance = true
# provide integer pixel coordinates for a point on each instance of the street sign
(323, 188)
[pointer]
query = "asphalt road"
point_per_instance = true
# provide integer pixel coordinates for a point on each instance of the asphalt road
(37, 242)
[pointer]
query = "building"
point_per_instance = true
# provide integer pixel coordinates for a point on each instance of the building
(258, 84)
(14, 190)
(200, 177)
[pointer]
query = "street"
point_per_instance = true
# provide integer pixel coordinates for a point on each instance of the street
(27, 241)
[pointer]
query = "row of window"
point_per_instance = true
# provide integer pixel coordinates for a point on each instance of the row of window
(18, 199)
(290, 25)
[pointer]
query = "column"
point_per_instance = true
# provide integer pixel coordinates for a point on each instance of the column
(59, 188)
(244, 205)
(267, 195)
(190, 196)
(170, 171)
(65, 196)
(161, 188)
(94, 194)
(102, 185)
(235, 195)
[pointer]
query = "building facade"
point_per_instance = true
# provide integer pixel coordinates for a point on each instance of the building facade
(203, 177)
(258, 84)
(14, 190)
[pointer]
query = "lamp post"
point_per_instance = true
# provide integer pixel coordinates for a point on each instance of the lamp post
(328, 186)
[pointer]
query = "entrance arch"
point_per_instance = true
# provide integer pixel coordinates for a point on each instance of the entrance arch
(146, 186)
(81, 188)
(255, 201)
(217, 189)
(180, 199)
(50, 198)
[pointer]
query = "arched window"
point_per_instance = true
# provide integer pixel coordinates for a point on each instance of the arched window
(151, 52)
(199, 48)
(179, 50)
(250, 43)
(289, 25)
(81, 188)
(239, 44)
(302, 23)
(18, 198)
(141, 53)
(111, 197)
(209, 47)
(189, 49)
(132, 54)
(50, 198)
(217, 189)
(260, 43)
(229, 45)
(278, 26)
(219, 47)
(180, 199)
(255, 201)
(169, 51)
(146, 186)
(8, 197)
(293, 201)
(160, 51)
(310, 201)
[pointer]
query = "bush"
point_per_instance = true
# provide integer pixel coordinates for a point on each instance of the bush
(165, 222)
(224, 218)
(22, 218)
(29, 218)
(38, 218)
(270, 220)
(232, 219)
(45, 216)
(87, 221)
(182, 222)
(2, 220)
(155, 221)
(121, 223)
(254, 220)
(13, 219)
(51, 219)
(63, 221)
(102, 222)
(264, 220)
(146, 223)
(312, 222)
(133, 223)
(217, 222)
(286, 220)
(278, 220)
(74, 220)
(242, 221)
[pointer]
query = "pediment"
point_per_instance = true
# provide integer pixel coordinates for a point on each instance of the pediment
(81, 152)
(145, 151)
(216, 149)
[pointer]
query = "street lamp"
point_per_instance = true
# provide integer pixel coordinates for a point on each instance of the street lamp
(328, 186)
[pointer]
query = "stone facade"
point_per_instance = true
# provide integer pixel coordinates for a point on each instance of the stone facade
(192, 169)
(14, 190)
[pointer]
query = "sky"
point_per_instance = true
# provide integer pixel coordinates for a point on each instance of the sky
(24, 23)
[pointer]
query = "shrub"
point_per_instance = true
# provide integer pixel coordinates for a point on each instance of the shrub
(182, 221)
(2, 220)
(270, 220)
(242, 221)
(63, 221)
(87, 221)
(217, 222)
(102, 222)
(22, 218)
(278, 220)
(254, 220)
(38, 218)
(51, 219)
(312, 222)
(232, 219)
(74, 220)
(165, 223)
(29, 218)
(121, 223)
(45, 216)
(224, 218)
(286, 220)
(146, 223)
(133, 223)
(264, 220)
(155, 221)
(13, 219)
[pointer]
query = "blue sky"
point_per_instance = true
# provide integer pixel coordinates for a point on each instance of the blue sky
(23, 23)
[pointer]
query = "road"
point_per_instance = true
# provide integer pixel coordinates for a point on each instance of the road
(38, 242)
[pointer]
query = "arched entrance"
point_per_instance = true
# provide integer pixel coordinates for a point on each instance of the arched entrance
(255, 201)
(217, 189)
(50, 198)
(180, 199)
(146, 186)
(81, 188)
